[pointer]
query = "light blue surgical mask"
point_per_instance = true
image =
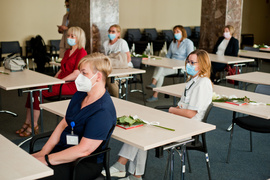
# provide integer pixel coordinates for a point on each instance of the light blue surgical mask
(191, 69)
(178, 36)
(71, 42)
(67, 9)
(111, 36)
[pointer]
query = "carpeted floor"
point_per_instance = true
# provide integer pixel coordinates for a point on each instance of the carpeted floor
(243, 165)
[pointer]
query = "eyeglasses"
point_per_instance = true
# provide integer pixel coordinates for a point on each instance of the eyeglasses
(191, 62)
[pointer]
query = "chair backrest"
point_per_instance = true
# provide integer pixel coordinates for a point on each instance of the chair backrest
(188, 30)
(137, 62)
(54, 45)
(263, 89)
(9, 47)
(248, 48)
(168, 34)
(207, 113)
(134, 35)
(151, 34)
(197, 30)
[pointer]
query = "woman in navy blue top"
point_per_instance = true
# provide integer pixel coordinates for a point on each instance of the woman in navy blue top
(90, 117)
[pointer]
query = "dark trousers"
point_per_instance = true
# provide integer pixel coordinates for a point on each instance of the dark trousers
(84, 171)
(217, 67)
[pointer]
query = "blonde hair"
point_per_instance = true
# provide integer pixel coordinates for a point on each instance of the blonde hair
(98, 62)
(203, 62)
(182, 29)
(231, 29)
(118, 29)
(79, 33)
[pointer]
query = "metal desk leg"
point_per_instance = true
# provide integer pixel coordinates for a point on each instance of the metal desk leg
(32, 111)
(5, 111)
(183, 162)
(126, 88)
(41, 111)
(230, 127)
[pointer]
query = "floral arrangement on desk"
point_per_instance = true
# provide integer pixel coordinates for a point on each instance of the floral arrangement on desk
(127, 122)
(260, 46)
(235, 100)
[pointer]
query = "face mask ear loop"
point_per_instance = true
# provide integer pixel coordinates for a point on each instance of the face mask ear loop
(92, 78)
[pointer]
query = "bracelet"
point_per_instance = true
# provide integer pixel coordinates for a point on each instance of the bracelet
(47, 160)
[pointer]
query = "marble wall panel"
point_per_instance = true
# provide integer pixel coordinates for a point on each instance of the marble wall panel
(215, 15)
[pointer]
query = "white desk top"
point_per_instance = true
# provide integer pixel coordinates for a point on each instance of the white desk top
(254, 54)
(146, 137)
(16, 163)
(25, 79)
(228, 59)
(122, 72)
(116, 72)
(252, 77)
(164, 62)
(255, 110)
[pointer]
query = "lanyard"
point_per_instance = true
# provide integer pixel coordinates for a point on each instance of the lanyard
(72, 124)
(186, 89)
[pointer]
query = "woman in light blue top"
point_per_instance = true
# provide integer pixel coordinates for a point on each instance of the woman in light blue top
(179, 49)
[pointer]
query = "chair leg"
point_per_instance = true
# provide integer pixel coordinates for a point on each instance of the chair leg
(142, 89)
(208, 165)
(189, 165)
(250, 134)
(230, 144)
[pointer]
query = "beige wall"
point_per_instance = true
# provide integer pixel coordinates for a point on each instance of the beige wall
(256, 20)
(159, 14)
(22, 19)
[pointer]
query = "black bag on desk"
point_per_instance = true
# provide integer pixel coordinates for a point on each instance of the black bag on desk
(14, 63)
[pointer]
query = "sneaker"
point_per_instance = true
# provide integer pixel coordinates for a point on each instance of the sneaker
(150, 86)
(128, 178)
(114, 172)
(152, 99)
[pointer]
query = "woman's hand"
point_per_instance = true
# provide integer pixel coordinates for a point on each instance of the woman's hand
(42, 159)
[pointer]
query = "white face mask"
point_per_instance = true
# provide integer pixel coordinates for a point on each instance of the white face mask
(83, 83)
(227, 35)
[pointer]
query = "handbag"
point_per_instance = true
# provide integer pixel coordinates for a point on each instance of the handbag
(232, 71)
(119, 60)
(14, 63)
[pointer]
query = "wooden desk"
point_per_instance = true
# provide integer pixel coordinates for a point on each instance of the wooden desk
(228, 59)
(254, 54)
(16, 163)
(262, 111)
(26, 79)
(164, 62)
(252, 77)
(146, 137)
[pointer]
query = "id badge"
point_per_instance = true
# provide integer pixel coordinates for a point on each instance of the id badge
(72, 139)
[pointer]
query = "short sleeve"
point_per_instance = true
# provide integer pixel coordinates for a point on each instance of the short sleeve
(99, 125)
(124, 46)
(79, 56)
(201, 95)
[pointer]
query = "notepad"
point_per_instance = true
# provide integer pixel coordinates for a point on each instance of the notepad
(124, 126)
(237, 103)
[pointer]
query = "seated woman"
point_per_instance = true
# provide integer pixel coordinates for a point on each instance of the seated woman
(179, 49)
(90, 117)
(68, 72)
(226, 45)
(193, 104)
(113, 45)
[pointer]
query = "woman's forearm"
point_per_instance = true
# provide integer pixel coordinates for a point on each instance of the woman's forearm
(72, 76)
(84, 148)
(183, 112)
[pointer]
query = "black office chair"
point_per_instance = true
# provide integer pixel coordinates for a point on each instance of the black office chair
(247, 40)
(29, 55)
(135, 36)
(54, 49)
(251, 123)
(168, 35)
(157, 40)
(189, 32)
(195, 37)
(200, 146)
(254, 64)
(137, 63)
(9, 47)
(97, 152)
